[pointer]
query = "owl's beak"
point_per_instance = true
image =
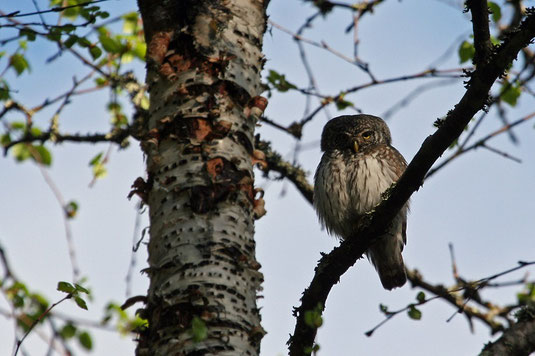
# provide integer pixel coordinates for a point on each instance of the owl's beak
(355, 146)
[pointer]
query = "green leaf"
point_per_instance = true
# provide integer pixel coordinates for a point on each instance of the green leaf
(510, 93)
(99, 170)
(19, 63)
(23, 44)
(54, 35)
(130, 22)
(309, 349)
(414, 313)
(79, 288)
(466, 51)
(102, 14)
(85, 340)
(313, 318)
(44, 155)
(199, 331)
(109, 44)
(66, 287)
(67, 331)
(101, 82)
(30, 34)
(69, 42)
(279, 82)
(139, 50)
(383, 308)
(80, 302)
(84, 42)
(96, 159)
(5, 140)
(341, 104)
(420, 297)
(21, 152)
(18, 125)
(4, 90)
(495, 10)
(95, 52)
(71, 209)
(527, 296)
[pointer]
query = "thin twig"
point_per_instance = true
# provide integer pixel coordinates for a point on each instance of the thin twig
(66, 222)
(54, 9)
(132, 264)
(19, 342)
(479, 143)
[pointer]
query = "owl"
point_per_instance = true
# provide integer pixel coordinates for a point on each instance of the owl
(357, 166)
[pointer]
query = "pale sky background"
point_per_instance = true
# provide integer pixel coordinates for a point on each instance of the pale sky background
(482, 203)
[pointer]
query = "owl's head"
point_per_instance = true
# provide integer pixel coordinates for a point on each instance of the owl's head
(354, 132)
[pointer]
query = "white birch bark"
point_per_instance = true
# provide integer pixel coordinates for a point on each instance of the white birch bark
(203, 73)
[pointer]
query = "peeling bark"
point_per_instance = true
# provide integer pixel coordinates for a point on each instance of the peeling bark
(203, 73)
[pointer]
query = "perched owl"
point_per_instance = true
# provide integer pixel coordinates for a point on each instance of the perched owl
(357, 166)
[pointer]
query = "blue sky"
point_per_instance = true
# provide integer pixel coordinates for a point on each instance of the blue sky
(481, 202)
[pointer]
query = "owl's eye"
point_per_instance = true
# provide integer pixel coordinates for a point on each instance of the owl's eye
(367, 135)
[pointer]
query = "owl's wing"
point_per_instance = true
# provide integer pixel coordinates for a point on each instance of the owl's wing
(396, 164)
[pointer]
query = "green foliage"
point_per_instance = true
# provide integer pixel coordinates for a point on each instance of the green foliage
(74, 291)
(80, 302)
(71, 209)
(28, 33)
(278, 81)
(38, 153)
(313, 317)
(495, 10)
(30, 306)
(19, 63)
(89, 13)
(70, 331)
(125, 323)
(342, 104)
(510, 93)
(466, 51)
(98, 166)
(66, 287)
(118, 117)
(4, 89)
(311, 349)
(95, 52)
(527, 296)
(109, 44)
(414, 313)
(85, 340)
(42, 155)
(420, 297)
(198, 331)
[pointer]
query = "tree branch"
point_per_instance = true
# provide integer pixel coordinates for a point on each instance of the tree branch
(334, 264)
(116, 135)
(480, 25)
(294, 173)
(517, 340)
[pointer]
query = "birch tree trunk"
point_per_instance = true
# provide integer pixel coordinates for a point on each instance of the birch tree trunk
(203, 73)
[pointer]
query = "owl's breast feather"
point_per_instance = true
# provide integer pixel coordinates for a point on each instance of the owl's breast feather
(348, 186)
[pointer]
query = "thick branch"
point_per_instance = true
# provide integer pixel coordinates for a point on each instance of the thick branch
(480, 24)
(333, 265)
(517, 340)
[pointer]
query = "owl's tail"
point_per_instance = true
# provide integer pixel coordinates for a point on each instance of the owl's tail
(385, 254)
